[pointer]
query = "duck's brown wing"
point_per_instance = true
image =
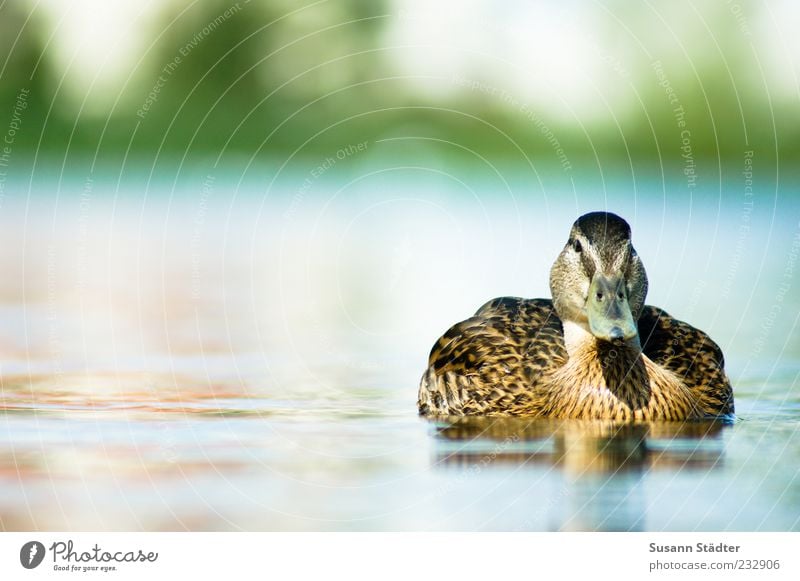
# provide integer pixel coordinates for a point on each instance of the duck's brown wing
(491, 363)
(690, 354)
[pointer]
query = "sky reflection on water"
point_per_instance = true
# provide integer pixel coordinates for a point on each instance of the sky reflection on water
(238, 365)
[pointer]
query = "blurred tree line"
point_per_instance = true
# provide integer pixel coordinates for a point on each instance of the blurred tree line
(234, 79)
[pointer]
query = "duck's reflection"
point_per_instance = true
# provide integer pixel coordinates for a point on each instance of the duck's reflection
(580, 446)
(600, 464)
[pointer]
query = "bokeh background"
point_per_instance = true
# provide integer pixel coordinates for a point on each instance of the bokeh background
(231, 231)
(228, 80)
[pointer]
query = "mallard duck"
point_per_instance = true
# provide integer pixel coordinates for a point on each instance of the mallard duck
(596, 351)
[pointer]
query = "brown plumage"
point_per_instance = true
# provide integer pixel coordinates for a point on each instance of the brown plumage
(595, 352)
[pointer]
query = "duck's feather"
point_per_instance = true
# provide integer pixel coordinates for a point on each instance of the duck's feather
(691, 355)
(498, 362)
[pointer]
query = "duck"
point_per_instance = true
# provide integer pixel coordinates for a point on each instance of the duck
(594, 351)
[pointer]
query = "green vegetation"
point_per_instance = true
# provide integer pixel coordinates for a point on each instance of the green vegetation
(227, 80)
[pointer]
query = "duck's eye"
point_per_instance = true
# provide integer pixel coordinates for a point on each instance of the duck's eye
(576, 244)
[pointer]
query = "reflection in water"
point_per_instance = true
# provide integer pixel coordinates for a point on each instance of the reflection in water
(601, 463)
(155, 378)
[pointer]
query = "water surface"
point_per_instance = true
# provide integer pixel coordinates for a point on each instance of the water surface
(228, 356)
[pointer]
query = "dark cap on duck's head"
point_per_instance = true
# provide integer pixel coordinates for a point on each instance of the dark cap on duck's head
(604, 226)
(598, 280)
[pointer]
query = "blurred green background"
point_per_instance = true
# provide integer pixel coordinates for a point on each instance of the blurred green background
(565, 84)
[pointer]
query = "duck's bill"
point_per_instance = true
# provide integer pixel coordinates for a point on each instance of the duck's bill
(608, 311)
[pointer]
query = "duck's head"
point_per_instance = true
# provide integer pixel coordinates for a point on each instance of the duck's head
(598, 281)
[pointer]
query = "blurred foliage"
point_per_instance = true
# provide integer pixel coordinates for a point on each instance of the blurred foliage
(238, 79)
(23, 67)
(255, 70)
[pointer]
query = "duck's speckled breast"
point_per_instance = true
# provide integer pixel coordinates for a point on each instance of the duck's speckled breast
(620, 384)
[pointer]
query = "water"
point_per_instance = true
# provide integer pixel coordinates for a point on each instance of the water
(228, 355)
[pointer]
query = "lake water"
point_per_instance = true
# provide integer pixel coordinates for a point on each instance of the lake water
(226, 354)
